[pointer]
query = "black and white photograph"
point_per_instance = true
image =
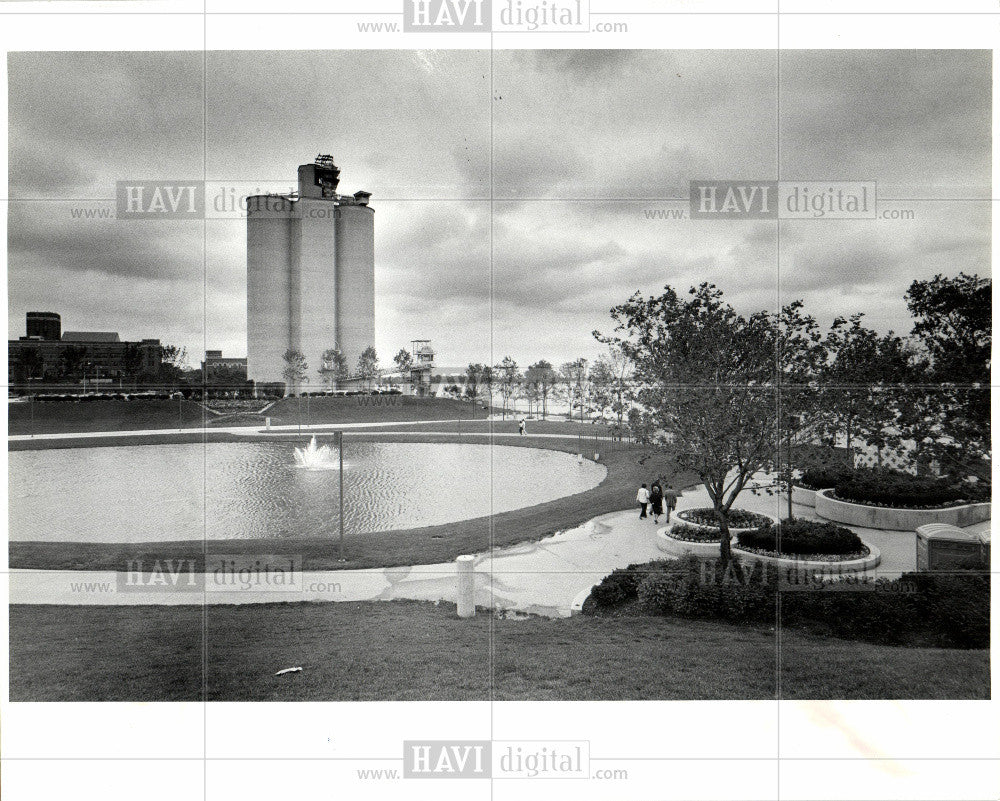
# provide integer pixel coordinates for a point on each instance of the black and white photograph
(511, 381)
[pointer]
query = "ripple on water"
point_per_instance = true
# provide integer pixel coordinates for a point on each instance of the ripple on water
(251, 490)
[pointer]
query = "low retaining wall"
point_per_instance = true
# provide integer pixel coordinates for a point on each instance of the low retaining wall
(803, 496)
(856, 514)
(674, 547)
(732, 529)
(869, 562)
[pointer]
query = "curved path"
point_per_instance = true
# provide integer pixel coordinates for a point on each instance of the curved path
(547, 577)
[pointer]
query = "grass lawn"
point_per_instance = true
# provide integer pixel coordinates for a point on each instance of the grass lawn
(425, 545)
(406, 650)
(103, 415)
(109, 415)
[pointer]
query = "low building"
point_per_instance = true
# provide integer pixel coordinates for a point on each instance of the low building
(216, 364)
(47, 354)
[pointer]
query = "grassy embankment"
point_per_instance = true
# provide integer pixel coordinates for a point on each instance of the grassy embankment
(407, 650)
(171, 415)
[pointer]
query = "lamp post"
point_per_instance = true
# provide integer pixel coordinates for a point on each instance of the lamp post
(340, 451)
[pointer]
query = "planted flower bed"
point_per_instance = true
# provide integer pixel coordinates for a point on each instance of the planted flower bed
(739, 519)
(689, 533)
(897, 490)
(819, 478)
(804, 539)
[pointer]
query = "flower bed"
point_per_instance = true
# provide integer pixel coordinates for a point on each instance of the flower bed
(895, 490)
(804, 538)
(739, 519)
(689, 533)
(896, 519)
(819, 478)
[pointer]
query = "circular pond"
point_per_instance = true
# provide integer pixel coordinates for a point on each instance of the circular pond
(255, 490)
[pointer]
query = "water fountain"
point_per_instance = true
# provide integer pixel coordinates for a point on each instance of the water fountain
(316, 457)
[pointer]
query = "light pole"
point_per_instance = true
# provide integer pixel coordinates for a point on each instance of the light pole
(306, 379)
(340, 451)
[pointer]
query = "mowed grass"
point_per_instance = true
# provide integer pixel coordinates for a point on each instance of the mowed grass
(111, 415)
(407, 650)
(103, 415)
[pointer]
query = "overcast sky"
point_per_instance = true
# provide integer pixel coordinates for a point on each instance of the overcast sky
(581, 142)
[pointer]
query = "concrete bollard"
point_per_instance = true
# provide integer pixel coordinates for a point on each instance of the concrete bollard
(465, 586)
(267, 423)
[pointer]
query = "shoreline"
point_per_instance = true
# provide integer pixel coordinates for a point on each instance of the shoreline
(395, 548)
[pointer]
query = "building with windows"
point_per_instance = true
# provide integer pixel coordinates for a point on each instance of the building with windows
(216, 364)
(48, 354)
(310, 274)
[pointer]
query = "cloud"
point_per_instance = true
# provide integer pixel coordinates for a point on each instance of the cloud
(599, 137)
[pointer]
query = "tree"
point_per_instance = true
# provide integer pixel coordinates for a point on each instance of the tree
(173, 361)
(132, 361)
(574, 377)
(541, 378)
(295, 370)
(801, 357)
(705, 388)
(479, 382)
(33, 363)
(610, 379)
(334, 368)
(509, 377)
(861, 384)
(71, 361)
(952, 321)
(404, 361)
(950, 418)
(368, 368)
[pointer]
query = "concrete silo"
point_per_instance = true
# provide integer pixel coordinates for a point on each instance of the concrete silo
(310, 274)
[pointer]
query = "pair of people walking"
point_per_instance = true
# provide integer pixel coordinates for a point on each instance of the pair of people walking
(654, 499)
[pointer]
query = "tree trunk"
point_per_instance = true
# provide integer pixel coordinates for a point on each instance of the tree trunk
(725, 551)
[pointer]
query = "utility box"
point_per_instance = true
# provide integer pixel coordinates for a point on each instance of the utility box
(941, 546)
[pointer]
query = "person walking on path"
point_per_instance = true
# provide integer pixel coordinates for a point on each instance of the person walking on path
(642, 498)
(656, 501)
(670, 499)
(520, 426)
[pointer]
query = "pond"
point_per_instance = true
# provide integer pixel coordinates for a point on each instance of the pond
(219, 491)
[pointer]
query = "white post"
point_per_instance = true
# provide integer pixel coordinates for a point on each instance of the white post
(267, 423)
(465, 586)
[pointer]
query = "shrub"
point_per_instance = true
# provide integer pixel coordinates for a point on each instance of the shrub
(699, 588)
(801, 537)
(826, 477)
(892, 488)
(918, 609)
(621, 585)
(738, 518)
(682, 531)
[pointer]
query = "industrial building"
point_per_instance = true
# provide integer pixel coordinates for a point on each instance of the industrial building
(310, 275)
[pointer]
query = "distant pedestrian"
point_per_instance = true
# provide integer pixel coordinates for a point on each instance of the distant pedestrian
(670, 499)
(520, 426)
(642, 498)
(656, 501)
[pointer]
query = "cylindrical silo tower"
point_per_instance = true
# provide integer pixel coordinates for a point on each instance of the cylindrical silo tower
(310, 275)
(355, 277)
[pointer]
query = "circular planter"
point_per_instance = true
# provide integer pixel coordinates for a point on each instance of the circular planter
(675, 547)
(733, 531)
(858, 514)
(804, 565)
(803, 496)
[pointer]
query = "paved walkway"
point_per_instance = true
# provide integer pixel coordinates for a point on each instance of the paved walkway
(547, 577)
(256, 431)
